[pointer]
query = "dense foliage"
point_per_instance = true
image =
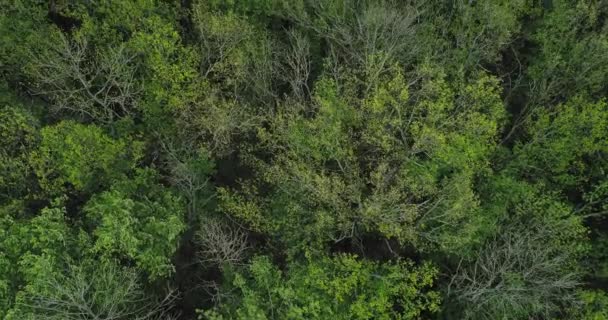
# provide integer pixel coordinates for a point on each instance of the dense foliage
(303, 159)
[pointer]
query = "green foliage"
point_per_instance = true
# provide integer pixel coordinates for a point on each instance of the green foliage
(516, 276)
(124, 61)
(236, 53)
(113, 21)
(598, 255)
(90, 290)
(518, 201)
(563, 143)
(23, 26)
(81, 157)
(594, 306)
(169, 70)
(138, 219)
(249, 7)
(570, 60)
(18, 136)
(383, 164)
(154, 144)
(17, 131)
(342, 287)
(31, 250)
(531, 260)
(469, 33)
(36, 251)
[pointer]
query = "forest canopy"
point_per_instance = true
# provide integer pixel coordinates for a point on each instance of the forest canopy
(303, 159)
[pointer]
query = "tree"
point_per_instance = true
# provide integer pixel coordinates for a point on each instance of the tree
(390, 164)
(594, 306)
(82, 157)
(190, 171)
(561, 142)
(125, 61)
(92, 290)
(37, 250)
(216, 124)
(99, 86)
(221, 244)
(31, 249)
(237, 54)
(570, 60)
(515, 276)
(296, 68)
(167, 67)
(137, 219)
(303, 159)
(19, 136)
(24, 25)
(341, 287)
(529, 266)
(362, 37)
(470, 35)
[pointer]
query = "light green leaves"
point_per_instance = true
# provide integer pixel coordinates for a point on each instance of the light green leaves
(340, 287)
(81, 157)
(137, 219)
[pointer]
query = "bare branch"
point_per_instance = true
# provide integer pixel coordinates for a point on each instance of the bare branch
(98, 86)
(221, 244)
(109, 293)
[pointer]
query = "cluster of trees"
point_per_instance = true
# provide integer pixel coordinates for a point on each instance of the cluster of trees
(303, 159)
